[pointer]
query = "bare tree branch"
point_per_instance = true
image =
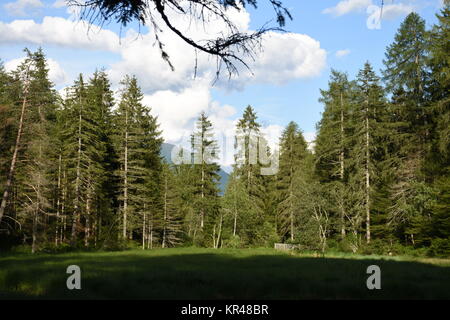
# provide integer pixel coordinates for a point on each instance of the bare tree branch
(231, 49)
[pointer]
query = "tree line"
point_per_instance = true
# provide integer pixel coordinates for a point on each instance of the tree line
(86, 171)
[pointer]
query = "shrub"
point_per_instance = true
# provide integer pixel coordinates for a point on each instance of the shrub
(439, 248)
(233, 242)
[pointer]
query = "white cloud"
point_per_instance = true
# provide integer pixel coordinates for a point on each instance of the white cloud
(175, 97)
(310, 138)
(56, 73)
(61, 32)
(178, 110)
(285, 57)
(389, 12)
(300, 56)
(342, 53)
(374, 13)
(347, 6)
(59, 4)
(22, 7)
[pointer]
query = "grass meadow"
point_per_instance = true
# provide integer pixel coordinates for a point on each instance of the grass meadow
(195, 273)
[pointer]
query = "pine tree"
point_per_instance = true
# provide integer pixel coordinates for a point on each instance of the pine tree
(293, 151)
(88, 107)
(8, 129)
(172, 218)
(368, 112)
(407, 78)
(205, 174)
(238, 209)
(30, 164)
(315, 202)
(248, 144)
(205, 170)
(334, 142)
(438, 160)
(22, 77)
(138, 144)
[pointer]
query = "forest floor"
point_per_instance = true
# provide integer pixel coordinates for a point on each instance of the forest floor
(195, 273)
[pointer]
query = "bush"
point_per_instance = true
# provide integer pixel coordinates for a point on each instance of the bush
(233, 242)
(52, 248)
(376, 247)
(439, 248)
(346, 245)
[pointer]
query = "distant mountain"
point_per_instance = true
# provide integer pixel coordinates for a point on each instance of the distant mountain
(166, 153)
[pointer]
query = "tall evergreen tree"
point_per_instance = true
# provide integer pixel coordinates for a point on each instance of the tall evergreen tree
(205, 173)
(333, 139)
(293, 151)
(367, 116)
(172, 218)
(250, 147)
(138, 143)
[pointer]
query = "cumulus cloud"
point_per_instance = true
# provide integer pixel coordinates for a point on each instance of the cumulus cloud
(23, 7)
(347, 6)
(178, 110)
(286, 57)
(342, 53)
(177, 97)
(56, 73)
(61, 32)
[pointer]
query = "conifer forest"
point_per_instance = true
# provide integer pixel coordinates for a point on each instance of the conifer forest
(86, 169)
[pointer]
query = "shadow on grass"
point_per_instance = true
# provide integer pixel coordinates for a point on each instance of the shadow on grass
(133, 275)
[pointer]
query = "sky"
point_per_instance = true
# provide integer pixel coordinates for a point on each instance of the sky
(285, 79)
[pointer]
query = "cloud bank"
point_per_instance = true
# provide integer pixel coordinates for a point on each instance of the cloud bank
(177, 97)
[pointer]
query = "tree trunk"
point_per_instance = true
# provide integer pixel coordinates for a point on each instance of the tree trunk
(58, 201)
(165, 214)
(77, 212)
(342, 168)
(143, 231)
(291, 216)
(125, 190)
(219, 234)
(202, 212)
(12, 167)
(34, 236)
(63, 210)
(235, 214)
(367, 175)
(87, 228)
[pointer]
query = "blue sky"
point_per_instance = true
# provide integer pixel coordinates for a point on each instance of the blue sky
(287, 76)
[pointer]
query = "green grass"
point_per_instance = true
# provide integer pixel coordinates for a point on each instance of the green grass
(192, 273)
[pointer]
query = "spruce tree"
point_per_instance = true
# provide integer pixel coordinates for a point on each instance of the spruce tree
(293, 151)
(368, 112)
(205, 152)
(172, 215)
(248, 169)
(333, 143)
(138, 144)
